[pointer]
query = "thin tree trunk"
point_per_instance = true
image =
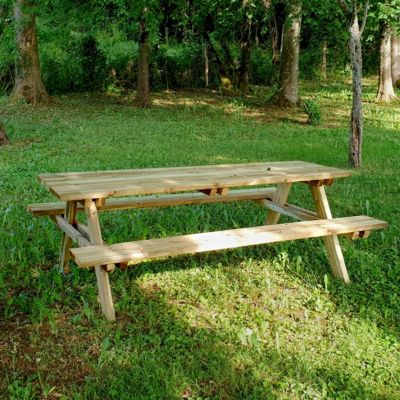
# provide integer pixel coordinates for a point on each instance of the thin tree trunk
(288, 94)
(3, 136)
(276, 32)
(324, 61)
(356, 119)
(245, 51)
(395, 44)
(385, 90)
(206, 66)
(142, 98)
(28, 81)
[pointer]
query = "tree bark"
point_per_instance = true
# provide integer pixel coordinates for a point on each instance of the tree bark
(356, 118)
(3, 136)
(142, 98)
(206, 65)
(324, 61)
(28, 80)
(395, 44)
(385, 89)
(288, 93)
(276, 33)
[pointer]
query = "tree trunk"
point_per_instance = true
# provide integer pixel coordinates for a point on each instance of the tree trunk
(395, 44)
(3, 136)
(206, 66)
(28, 81)
(245, 53)
(356, 119)
(385, 89)
(276, 32)
(324, 61)
(142, 98)
(288, 94)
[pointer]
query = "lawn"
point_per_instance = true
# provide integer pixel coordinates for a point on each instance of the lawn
(266, 322)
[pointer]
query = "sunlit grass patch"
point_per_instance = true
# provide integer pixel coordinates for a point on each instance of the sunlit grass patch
(263, 322)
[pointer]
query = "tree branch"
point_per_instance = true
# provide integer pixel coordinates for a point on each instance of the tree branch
(364, 20)
(345, 8)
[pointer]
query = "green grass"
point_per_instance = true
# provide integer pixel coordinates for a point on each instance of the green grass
(267, 322)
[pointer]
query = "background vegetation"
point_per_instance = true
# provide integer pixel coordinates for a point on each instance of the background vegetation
(267, 322)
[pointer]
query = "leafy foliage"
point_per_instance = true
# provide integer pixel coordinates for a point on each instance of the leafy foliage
(313, 112)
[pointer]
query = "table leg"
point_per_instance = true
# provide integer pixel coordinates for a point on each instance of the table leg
(332, 244)
(103, 281)
(280, 197)
(70, 215)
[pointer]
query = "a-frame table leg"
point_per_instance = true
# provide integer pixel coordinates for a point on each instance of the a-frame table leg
(332, 244)
(70, 215)
(103, 281)
(280, 198)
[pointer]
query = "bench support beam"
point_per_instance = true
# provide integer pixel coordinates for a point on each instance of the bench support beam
(280, 197)
(103, 282)
(332, 244)
(70, 215)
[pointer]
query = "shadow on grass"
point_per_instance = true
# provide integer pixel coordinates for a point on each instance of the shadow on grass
(152, 354)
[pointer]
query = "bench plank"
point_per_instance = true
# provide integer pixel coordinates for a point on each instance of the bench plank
(79, 186)
(201, 242)
(58, 207)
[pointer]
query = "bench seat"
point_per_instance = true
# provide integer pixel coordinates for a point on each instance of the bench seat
(200, 242)
(58, 207)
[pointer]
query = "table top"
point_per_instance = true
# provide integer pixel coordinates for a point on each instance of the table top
(101, 184)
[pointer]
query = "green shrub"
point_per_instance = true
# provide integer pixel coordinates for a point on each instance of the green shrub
(313, 112)
(261, 68)
(178, 66)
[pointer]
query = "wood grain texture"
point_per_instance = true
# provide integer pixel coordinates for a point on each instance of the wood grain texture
(70, 215)
(280, 197)
(103, 282)
(58, 207)
(91, 185)
(201, 242)
(332, 244)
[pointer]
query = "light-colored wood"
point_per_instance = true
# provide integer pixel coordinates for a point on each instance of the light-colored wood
(103, 282)
(58, 208)
(290, 210)
(168, 180)
(100, 203)
(200, 242)
(358, 235)
(83, 230)
(209, 192)
(79, 235)
(73, 233)
(70, 215)
(223, 191)
(280, 197)
(332, 244)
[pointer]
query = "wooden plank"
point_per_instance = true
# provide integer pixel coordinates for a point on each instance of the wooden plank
(332, 244)
(200, 242)
(103, 282)
(175, 171)
(290, 210)
(70, 215)
(83, 230)
(72, 232)
(280, 198)
(81, 186)
(209, 192)
(223, 191)
(58, 208)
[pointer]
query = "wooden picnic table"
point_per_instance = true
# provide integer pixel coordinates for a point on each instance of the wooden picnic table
(96, 191)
